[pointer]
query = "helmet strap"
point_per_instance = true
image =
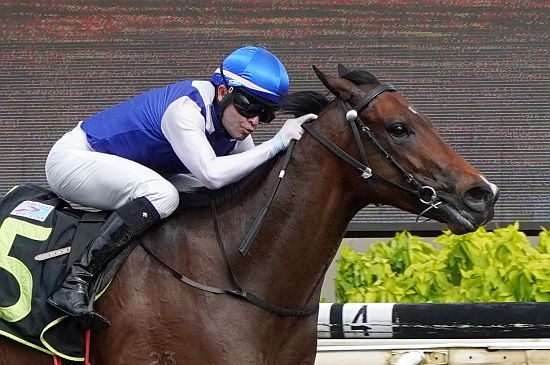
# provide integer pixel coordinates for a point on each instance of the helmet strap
(220, 107)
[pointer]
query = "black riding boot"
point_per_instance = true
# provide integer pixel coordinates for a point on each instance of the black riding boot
(119, 230)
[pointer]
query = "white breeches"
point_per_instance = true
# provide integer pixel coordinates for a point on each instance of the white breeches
(79, 174)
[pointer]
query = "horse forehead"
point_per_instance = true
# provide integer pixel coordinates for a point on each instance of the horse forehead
(392, 106)
(396, 99)
(392, 103)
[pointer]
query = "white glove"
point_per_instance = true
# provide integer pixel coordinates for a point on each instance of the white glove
(292, 129)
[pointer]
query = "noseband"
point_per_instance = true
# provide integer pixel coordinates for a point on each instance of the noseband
(425, 193)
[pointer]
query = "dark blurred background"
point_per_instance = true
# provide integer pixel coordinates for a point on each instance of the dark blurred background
(480, 70)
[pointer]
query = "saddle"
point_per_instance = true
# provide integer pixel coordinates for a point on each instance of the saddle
(41, 235)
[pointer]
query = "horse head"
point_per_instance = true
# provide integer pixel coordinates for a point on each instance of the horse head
(403, 160)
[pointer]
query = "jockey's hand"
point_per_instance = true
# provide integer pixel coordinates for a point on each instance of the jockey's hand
(292, 129)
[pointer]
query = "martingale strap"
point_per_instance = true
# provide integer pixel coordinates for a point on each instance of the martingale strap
(178, 275)
(281, 311)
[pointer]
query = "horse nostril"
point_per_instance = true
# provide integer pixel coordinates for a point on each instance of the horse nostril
(478, 193)
(478, 198)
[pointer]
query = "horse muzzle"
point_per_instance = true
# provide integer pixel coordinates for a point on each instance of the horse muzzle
(475, 209)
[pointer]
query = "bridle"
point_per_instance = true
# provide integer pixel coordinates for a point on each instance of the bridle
(425, 193)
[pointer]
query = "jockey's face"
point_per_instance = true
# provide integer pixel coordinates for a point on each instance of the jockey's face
(237, 125)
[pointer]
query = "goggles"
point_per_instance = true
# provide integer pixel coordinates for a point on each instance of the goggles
(247, 105)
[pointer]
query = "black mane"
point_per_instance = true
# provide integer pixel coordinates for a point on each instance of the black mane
(200, 197)
(304, 102)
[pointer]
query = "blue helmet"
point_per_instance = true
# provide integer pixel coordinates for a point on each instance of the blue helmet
(257, 70)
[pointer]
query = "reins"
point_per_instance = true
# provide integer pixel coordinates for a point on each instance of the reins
(253, 232)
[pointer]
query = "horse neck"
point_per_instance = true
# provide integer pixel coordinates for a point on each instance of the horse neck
(302, 231)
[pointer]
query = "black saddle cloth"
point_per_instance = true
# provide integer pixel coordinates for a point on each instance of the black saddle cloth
(35, 221)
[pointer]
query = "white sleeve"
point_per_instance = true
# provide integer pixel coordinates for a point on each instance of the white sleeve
(244, 145)
(184, 127)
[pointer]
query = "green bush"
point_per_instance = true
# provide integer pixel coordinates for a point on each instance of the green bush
(498, 266)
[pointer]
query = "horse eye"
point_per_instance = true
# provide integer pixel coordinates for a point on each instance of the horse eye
(398, 131)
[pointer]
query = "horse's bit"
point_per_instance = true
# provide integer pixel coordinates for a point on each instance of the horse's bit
(425, 193)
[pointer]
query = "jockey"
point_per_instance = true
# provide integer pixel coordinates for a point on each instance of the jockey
(122, 158)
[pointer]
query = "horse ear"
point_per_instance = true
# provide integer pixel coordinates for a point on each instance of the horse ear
(342, 70)
(320, 75)
(341, 88)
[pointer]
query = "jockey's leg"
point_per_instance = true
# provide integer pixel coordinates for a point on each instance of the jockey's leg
(79, 174)
(139, 196)
(120, 229)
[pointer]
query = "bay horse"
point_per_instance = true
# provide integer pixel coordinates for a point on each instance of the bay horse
(368, 145)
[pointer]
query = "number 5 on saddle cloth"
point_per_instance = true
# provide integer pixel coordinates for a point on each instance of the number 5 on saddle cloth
(36, 229)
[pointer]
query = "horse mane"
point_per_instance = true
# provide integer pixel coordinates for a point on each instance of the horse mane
(196, 197)
(297, 104)
(244, 185)
(304, 102)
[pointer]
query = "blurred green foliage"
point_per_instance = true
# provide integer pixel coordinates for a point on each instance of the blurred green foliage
(498, 266)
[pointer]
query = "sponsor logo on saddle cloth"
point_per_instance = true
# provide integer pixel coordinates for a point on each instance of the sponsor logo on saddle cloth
(33, 210)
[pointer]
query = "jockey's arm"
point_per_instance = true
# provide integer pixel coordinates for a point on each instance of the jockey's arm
(184, 127)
